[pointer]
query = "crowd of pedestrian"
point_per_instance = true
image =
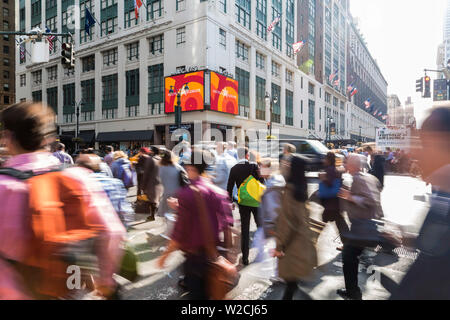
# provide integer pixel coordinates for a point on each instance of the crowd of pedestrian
(53, 204)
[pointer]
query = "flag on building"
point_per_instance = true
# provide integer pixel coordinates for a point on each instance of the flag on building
(333, 75)
(272, 25)
(137, 5)
(350, 87)
(385, 117)
(367, 103)
(380, 114)
(50, 39)
(353, 92)
(22, 52)
(337, 81)
(375, 113)
(89, 21)
(298, 46)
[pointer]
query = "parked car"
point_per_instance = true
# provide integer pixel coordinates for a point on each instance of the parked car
(312, 151)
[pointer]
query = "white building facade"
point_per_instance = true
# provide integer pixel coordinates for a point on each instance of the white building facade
(118, 80)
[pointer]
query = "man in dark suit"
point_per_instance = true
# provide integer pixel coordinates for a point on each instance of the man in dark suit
(238, 174)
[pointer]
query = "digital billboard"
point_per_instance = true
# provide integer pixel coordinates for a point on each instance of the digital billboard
(224, 94)
(192, 99)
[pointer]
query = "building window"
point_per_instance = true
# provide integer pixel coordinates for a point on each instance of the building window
(109, 97)
(311, 115)
(5, 25)
(260, 61)
(289, 108)
(241, 51)
(327, 97)
(154, 9)
(88, 63)
(110, 57)
(133, 51)
(109, 114)
(6, 62)
(23, 80)
(5, 74)
(260, 98)
(243, 78)
(6, 87)
(223, 38)
(223, 5)
(311, 88)
(156, 89)
(69, 72)
(37, 77)
(6, 99)
(275, 69)
(109, 26)
(289, 76)
(156, 45)
(36, 96)
(52, 98)
(132, 83)
(52, 73)
(132, 111)
(335, 101)
(130, 19)
(181, 36)
(68, 117)
(261, 19)
(243, 12)
(88, 92)
(180, 5)
(87, 116)
(5, 12)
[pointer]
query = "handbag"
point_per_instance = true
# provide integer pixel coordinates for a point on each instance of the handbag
(250, 192)
(128, 267)
(222, 276)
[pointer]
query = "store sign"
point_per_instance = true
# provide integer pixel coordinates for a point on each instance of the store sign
(224, 94)
(440, 90)
(393, 138)
(172, 128)
(192, 99)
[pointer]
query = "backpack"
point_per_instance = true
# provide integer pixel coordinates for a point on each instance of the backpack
(61, 233)
(250, 192)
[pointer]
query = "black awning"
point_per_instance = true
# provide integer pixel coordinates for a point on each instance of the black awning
(87, 136)
(122, 136)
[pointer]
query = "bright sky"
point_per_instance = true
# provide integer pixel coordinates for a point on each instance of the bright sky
(403, 36)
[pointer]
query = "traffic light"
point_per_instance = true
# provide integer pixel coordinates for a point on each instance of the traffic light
(427, 93)
(419, 85)
(67, 56)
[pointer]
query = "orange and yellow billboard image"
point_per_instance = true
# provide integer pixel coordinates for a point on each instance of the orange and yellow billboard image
(191, 99)
(224, 94)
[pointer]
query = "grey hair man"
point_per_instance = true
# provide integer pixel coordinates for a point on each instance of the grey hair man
(231, 149)
(363, 205)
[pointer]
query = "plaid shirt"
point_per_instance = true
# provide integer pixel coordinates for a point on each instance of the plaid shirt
(115, 191)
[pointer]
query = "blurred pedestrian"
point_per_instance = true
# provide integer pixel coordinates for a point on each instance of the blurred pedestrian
(295, 248)
(151, 183)
(244, 171)
(172, 177)
(376, 165)
(48, 212)
(121, 169)
(363, 205)
(61, 155)
(330, 184)
(109, 158)
(197, 228)
(114, 188)
(428, 278)
(231, 150)
(223, 164)
(142, 157)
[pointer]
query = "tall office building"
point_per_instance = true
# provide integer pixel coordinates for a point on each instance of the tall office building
(447, 32)
(7, 47)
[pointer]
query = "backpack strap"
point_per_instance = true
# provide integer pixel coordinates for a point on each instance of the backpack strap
(25, 175)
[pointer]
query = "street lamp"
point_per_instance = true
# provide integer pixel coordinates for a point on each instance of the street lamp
(178, 106)
(329, 121)
(77, 129)
(271, 102)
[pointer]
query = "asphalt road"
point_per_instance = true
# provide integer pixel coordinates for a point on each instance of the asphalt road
(404, 201)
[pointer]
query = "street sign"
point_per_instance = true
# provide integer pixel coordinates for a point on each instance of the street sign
(440, 90)
(393, 138)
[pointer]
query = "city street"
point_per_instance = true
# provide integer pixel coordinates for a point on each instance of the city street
(404, 201)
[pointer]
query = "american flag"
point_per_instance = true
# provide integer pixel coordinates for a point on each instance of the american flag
(333, 75)
(298, 46)
(354, 91)
(137, 6)
(336, 82)
(22, 51)
(350, 87)
(380, 114)
(273, 24)
(50, 39)
(375, 113)
(385, 117)
(367, 103)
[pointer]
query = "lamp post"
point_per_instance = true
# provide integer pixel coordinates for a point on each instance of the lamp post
(178, 106)
(329, 121)
(360, 137)
(77, 128)
(271, 102)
